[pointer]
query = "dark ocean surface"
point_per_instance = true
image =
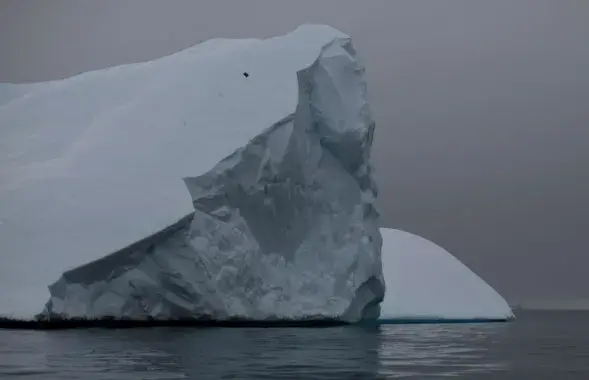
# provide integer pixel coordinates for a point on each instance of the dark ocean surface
(538, 345)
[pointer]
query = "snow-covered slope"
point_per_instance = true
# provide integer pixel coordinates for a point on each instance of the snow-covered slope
(283, 220)
(426, 282)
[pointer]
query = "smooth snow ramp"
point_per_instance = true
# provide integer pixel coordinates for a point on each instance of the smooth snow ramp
(271, 137)
(427, 283)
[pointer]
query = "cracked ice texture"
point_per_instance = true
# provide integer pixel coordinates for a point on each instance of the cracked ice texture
(278, 220)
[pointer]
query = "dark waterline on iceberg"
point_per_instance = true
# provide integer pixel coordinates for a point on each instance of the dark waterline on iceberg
(116, 323)
(429, 321)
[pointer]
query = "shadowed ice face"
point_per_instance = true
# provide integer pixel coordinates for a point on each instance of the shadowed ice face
(482, 140)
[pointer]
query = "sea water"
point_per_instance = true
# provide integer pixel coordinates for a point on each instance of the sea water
(538, 345)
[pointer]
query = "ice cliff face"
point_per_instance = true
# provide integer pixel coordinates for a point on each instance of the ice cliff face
(282, 227)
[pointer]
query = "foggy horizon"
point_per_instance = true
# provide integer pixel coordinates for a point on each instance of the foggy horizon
(482, 110)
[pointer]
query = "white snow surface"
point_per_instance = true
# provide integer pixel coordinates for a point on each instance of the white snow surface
(92, 164)
(424, 281)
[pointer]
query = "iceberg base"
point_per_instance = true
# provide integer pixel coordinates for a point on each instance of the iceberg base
(113, 323)
(434, 320)
(116, 323)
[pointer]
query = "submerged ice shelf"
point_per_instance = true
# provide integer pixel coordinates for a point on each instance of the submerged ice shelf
(181, 188)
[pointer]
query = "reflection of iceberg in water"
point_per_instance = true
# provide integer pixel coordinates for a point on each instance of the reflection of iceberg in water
(257, 353)
(339, 352)
(352, 352)
(437, 350)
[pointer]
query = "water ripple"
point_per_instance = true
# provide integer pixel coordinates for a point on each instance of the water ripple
(386, 352)
(437, 350)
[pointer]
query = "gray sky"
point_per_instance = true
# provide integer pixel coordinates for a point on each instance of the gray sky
(482, 107)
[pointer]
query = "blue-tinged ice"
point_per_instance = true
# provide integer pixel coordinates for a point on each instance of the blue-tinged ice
(183, 188)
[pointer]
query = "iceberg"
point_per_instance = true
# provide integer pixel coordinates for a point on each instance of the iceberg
(231, 180)
(427, 283)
